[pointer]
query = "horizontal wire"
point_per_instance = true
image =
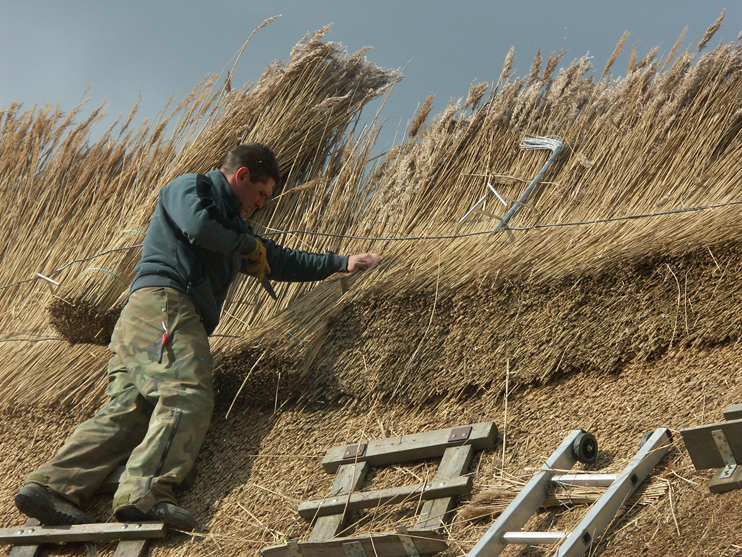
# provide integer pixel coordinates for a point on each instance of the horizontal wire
(63, 267)
(276, 232)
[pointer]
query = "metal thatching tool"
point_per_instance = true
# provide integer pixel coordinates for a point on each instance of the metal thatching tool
(531, 144)
(266, 284)
(577, 446)
(555, 145)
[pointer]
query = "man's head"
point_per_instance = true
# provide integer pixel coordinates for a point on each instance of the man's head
(252, 172)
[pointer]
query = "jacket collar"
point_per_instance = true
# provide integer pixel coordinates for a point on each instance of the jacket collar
(230, 200)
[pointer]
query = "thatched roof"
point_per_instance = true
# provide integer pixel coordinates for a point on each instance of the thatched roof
(616, 327)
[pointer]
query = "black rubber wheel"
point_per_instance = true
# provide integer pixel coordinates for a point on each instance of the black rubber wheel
(649, 434)
(585, 448)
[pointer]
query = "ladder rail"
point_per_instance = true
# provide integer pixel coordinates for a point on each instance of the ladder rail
(522, 508)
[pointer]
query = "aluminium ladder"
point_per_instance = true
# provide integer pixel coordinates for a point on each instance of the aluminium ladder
(577, 446)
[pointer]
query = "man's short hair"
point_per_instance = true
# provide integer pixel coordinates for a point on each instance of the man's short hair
(259, 159)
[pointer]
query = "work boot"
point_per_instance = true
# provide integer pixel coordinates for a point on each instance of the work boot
(37, 501)
(172, 515)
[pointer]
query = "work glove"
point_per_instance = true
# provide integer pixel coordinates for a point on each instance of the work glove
(256, 262)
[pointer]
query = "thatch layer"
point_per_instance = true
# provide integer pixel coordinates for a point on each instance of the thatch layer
(256, 466)
(431, 343)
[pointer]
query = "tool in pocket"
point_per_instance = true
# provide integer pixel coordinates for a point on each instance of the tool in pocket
(163, 343)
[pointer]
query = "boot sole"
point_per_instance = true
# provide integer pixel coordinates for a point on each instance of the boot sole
(38, 506)
(132, 514)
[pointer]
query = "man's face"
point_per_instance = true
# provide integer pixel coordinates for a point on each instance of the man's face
(252, 195)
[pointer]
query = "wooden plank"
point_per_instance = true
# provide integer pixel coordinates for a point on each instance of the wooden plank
(702, 447)
(349, 478)
(456, 461)
(732, 483)
(733, 412)
(381, 545)
(132, 548)
(366, 499)
(26, 550)
(81, 533)
(395, 450)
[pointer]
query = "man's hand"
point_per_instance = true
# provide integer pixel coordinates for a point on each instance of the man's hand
(362, 261)
(257, 264)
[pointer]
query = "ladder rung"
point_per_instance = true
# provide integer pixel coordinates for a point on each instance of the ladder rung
(533, 538)
(586, 480)
(435, 489)
(96, 532)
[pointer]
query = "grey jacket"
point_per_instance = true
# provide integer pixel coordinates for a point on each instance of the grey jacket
(195, 239)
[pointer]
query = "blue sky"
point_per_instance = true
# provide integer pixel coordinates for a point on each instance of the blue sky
(53, 51)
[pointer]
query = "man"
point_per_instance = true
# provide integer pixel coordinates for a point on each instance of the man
(161, 393)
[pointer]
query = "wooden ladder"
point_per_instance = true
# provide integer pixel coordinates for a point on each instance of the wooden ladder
(718, 446)
(351, 464)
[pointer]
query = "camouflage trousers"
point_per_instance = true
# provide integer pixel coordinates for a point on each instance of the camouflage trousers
(157, 415)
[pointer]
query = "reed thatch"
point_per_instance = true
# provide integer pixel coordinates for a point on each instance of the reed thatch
(258, 464)
(428, 321)
(615, 327)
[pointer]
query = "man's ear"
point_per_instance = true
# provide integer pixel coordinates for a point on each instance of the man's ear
(241, 173)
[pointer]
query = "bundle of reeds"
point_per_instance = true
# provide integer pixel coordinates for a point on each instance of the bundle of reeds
(79, 210)
(303, 108)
